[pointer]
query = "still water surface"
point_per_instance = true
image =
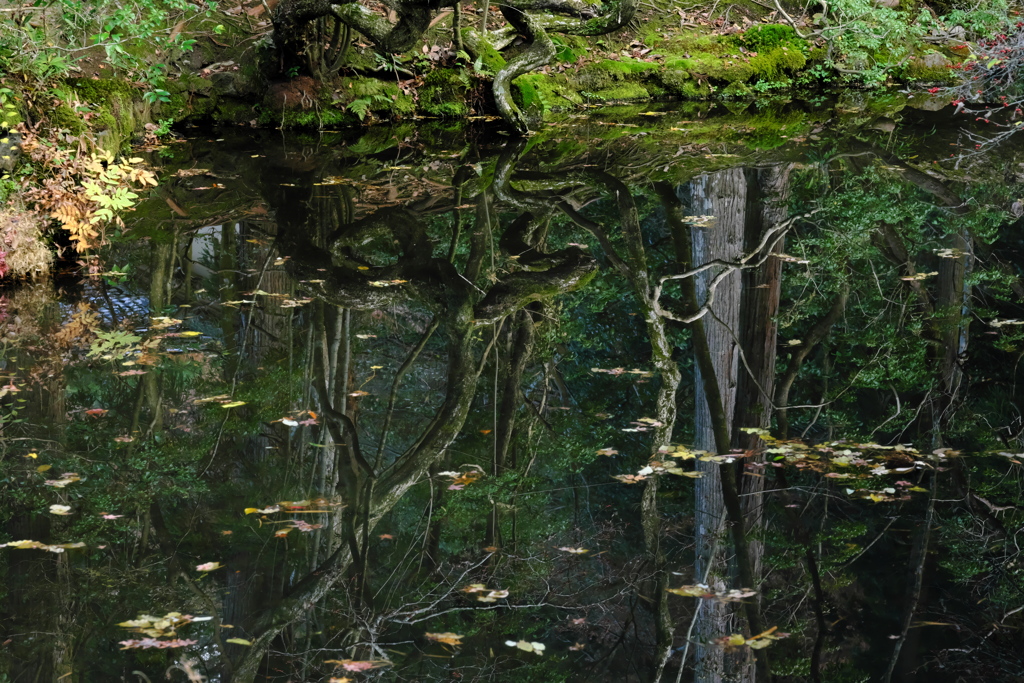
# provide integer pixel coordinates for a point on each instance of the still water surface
(425, 402)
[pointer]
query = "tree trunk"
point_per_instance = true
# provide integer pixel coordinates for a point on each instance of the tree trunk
(724, 196)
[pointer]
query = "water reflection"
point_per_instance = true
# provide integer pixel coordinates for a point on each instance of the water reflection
(370, 425)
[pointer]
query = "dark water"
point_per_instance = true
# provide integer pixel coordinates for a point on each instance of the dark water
(428, 403)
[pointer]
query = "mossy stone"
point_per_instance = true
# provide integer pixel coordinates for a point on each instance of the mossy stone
(540, 93)
(933, 67)
(773, 64)
(63, 117)
(114, 101)
(621, 92)
(445, 93)
(490, 59)
(738, 91)
(733, 70)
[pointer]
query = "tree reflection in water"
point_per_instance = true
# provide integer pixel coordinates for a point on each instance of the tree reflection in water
(393, 438)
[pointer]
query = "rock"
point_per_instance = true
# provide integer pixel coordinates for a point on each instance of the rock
(10, 151)
(933, 60)
(928, 102)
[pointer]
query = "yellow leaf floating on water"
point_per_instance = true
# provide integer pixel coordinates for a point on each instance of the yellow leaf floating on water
(446, 638)
(701, 591)
(264, 511)
(239, 641)
(232, 404)
(33, 545)
(526, 646)
(43, 468)
(355, 665)
(65, 479)
(758, 642)
(190, 333)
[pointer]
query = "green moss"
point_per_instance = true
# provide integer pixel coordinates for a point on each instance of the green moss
(773, 64)
(608, 73)
(490, 59)
(737, 91)
(763, 37)
(929, 69)
(114, 103)
(64, 117)
(192, 83)
(539, 93)
(624, 91)
(191, 97)
(445, 93)
(568, 48)
(729, 70)
(102, 91)
(675, 80)
(694, 42)
(308, 118)
(229, 110)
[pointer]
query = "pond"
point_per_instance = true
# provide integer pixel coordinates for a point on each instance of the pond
(689, 394)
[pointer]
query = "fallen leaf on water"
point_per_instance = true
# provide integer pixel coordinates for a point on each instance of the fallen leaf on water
(353, 665)
(265, 511)
(208, 566)
(574, 551)
(239, 641)
(65, 479)
(446, 638)
(526, 646)
(43, 468)
(232, 404)
(153, 643)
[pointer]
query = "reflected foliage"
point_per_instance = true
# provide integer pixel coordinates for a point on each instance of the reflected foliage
(365, 410)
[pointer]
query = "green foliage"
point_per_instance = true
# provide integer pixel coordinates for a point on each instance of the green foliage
(115, 342)
(980, 19)
(128, 32)
(868, 40)
(763, 37)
